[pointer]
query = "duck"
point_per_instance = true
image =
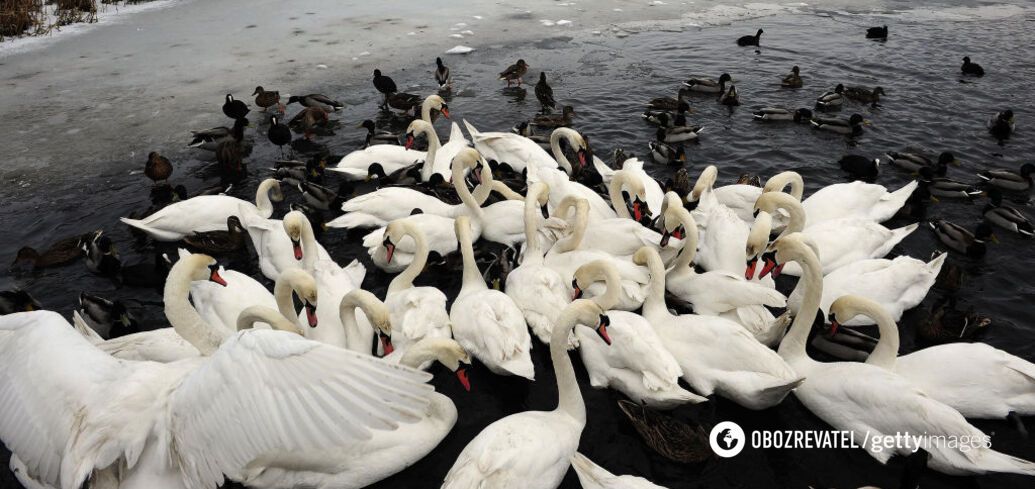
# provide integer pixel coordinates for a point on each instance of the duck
(210, 139)
(62, 252)
(677, 134)
(486, 322)
(708, 85)
(667, 154)
(913, 161)
(859, 166)
(532, 449)
(17, 300)
(385, 85)
(316, 100)
(970, 68)
(544, 94)
(514, 72)
(960, 240)
(792, 80)
(404, 102)
(1008, 180)
(678, 102)
(770, 114)
(237, 365)
(877, 32)
(377, 137)
(538, 290)
(638, 365)
(1006, 216)
(206, 213)
(593, 476)
(101, 256)
(1001, 125)
(230, 155)
(442, 77)
(876, 398)
(864, 95)
(718, 356)
(108, 318)
(851, 126)
(954, 373)
(946, 324)
(555, 120)
(235, 109)
(309, 119)
(832, 99)
(750, 40)
(267, 98)
(157, 168)
(730, 97)
(669, 437)
(278, 134)
(219, 242)
(946, 187)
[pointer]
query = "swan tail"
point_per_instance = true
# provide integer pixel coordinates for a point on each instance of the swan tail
(590, 474)
(455, 134)
(989, 460)
(158, 234)
(935, 266)
(471, 130)
(356, 220)
(356, 272)
(84, 329)
(897, 235)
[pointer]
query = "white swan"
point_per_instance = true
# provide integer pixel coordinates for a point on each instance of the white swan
(593, 476)
(539, 291)
(207, 213)
(739, 198)
(519, 152)
(646, 190)
(486, 322)
(839, 241)
(717, 355)
(618, 236)
(716, 292)
(189, 423)
(842, 200)
(438, 235)
(279, 250)
(976, 379)
(531, 450)
(873, 402)
(637, 365)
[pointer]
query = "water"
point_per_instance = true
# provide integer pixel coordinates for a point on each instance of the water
(75, 142)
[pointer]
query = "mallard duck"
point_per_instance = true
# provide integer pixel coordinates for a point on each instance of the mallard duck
(235, 109)
(60, 253)
(377, 137)
(219, 242)
(677, 134)
(860, 166)
(230, 155)
(309, 119)
(708, 85)
(1005, 216)
(770, 114)
(101, 256)
(969, 68)
(864, 95)
(832, 99)
(442, 75)
(385, 85)
(877, 32)
(266, 98)
(405, 102)
(317, 100)
(670, 103)
(110, 319)
(544, 93)
(318, 196)
(750, 40)
(555, 120)
(658, 118)
(681, 183)
(514, 72)
(958, 239)
(157, 168)
(730, 97)
(851, 126)
(1000, 124)
(279, 134)
(792, 80)
(1008, 180)
(666, 153)
(210, 139)
(17, 300)
(914, 161)
(944, 187)
(672, 439)
(946, 324)
(526, 129)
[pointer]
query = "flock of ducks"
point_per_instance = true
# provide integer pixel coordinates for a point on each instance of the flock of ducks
(320, 383)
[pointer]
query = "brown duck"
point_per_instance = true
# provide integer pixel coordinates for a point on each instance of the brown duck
(673, 439)
(514, 72)
(158, 168)
(267, 98)
(61, 253)
(219, 242)
(403, 101)
(555, 120)
(946, 324)
(309, 119)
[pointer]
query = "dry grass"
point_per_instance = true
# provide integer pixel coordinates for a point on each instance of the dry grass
(20, 17)
(73, 11)
(28, 17)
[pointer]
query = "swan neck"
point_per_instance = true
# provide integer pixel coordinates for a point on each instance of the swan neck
(183, 317)
(614, 191)
(793, 345)
(569, 397)
(260, 314)
(420, 259)
(353, 337)
(602, 270)
(685, 259)
(578, 224)
(533, 246)
(262, 197)
(558, 153)
(433, 145)
(473, 205)
(472, 276)
(310, 249)
(282, 294)
(885, 353)
(654, 304)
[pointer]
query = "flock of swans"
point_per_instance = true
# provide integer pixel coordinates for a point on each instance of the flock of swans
(320, 383)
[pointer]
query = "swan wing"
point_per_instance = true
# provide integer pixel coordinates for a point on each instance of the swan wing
(161, 345)
(593, 476)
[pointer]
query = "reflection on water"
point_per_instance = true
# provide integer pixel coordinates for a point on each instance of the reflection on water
(608, 80)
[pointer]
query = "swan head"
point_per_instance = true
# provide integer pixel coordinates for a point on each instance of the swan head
(588, 312)
(704, 182)
(443, 350)
(435, 102)
(200, 268)
(847, 307)
(595, 271)
(394, 234)
(295, 223)
(271, 186)
(466, 159)
(675, 218)
(771, 201)
(638, 191)
(417, 127)
(377, 314)
(792, 247)
(304, 287)
(757, 242)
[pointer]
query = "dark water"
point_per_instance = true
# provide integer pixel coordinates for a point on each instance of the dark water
(607, 80)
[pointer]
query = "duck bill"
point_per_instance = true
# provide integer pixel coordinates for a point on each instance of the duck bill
(215, 277)
(749, 273)
(310, 315)
(461, 375)
(297, 247)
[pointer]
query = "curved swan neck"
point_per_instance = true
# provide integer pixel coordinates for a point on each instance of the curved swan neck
(374, 309)
(433, 146)
(780, 181)
(443, 350)
(431, 102)
(685, 259)
(601, 270)
(555, 146)
(282, 292)
(885, 353)
(578, 224)
(469, 200)
(793, 345)
(263, 202)
(704, 183)
(569, 397)
(261, 314)
(472, 278)
(771, 201)
(420, 258)
(614, 191)
(533, 248)
(184, 319)
(654, 304)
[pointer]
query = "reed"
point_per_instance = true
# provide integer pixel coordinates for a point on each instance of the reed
(19, 17)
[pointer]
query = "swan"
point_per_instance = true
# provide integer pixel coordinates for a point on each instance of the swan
(646, 189)
(841, 200)
(207, 213)
(363, 463)
(189, 423)
(438, 234)
(531, 449)
(279, 251)
(723, 238)
(719, 291)
(740, 198)
(637, 365)
(538, 290)
(593, 476)
(976, 379)
(619, 236)
(440, 155)
(486, 322)
(873, 402)
(839, 241)
(717, 355)
(565, 257)
(521, 153)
